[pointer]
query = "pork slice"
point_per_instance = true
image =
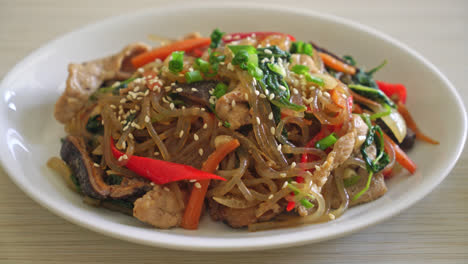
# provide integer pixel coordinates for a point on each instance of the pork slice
(377, 188)
(237, 114)
(238, 218)
(85, 78)
(361, 129)
(341, 152)
(160, 208)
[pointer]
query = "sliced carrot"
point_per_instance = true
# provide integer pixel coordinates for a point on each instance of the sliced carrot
(338, 99)
(194, 207)
(412, 124)
(164, 51)
(363, 99)
(400, 156)
(336, 64)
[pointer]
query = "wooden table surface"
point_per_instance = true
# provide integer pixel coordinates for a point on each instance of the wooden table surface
(435, 230)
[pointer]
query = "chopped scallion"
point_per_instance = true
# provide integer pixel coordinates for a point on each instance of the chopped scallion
(220, 90)
(306, 203)
(202, 65)
(326, 142)
(300, 69)
(194, 76)
(176, 64)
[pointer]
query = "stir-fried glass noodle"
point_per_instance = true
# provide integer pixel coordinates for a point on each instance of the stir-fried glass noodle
(257, 129)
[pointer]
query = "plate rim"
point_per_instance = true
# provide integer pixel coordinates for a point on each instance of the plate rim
(181, 242)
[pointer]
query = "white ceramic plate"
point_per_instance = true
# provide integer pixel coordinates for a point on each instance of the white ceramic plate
(29, 135)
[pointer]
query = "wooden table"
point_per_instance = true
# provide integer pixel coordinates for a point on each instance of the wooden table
(435, 230)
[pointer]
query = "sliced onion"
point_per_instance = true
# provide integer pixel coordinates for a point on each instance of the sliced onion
(394, 121)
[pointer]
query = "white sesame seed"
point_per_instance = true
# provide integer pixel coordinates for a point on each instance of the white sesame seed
(156, 153)
(331, 216)
(192, 181)
(140, 70)
(124, 156)
(220, 123)
(197, 185)
(183, 107)
(194, 90)
(203, 109)
(195, 137)
(282, 87)
(131, 136)
(147, 119)
(172, 106)
(179, 90)
(317, 168)
(181, 134)
(205, 126)
(293, 164)
(283, 175)
(246, 97)
(200, 151)
(295, 91)
(280, 147)
(267, 92)
(270, 197)
(267, 51)
(326, 94)
(115, 84)
(112, 106)
(233, 103)
(167, 88)
(270, 116)
(123, 100)
(257, 92)
(285, 184)
(272, 96)
(262, 96)
(96, 165)
(272, 130)
(258, 120)
(254, 81)
(166, 189)
(152, 184)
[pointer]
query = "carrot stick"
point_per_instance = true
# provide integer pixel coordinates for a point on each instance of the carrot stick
(164, 51)
(412, 124)
(401, 156)
(195, 203)
(363, 99)
(337, 98)
(336, 64)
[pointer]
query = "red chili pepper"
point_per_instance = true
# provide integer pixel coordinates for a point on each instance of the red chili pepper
(259, 35)
(393, 89)
(162, 172)
(299, 179)
(290, 206)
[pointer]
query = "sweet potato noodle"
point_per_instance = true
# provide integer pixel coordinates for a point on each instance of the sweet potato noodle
(300, 157)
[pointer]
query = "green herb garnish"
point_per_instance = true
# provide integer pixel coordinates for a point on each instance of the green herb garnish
(216, 38)
(220, 90)
(326, 142)
(193, 76)
(94, 125)
(176, 64)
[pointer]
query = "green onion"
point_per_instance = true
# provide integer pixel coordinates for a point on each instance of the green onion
(248, 48)
(308, 49)
(306, 203)
(226, 124)
(176, 64)
(388, 111)
(300, 69)
(216, 38)
(326, 142)
(220, 90)
(294, 188)
(317, 80)
(194, 76)
(353, 179)
(302, 48)
(369, 179)
(277, 68)
(254, 71)
(202, 65)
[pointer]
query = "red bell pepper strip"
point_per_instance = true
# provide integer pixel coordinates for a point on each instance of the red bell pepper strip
(290, 206)
(393, 89)
(162, 172)
(258, 35)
